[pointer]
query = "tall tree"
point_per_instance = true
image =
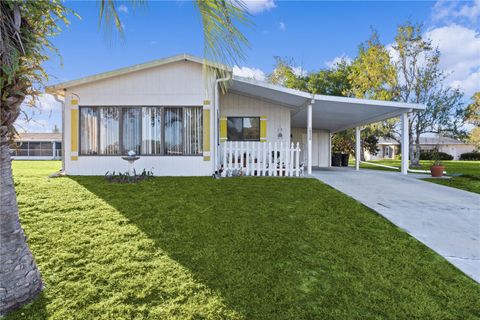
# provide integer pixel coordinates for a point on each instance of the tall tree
(25, 27)
(372, 73)
(472, 113)
(472, 116)
(25, 30)
(373, 76)
(283, 74)
(421, 81)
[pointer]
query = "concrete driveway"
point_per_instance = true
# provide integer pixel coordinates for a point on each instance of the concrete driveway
(445, 219)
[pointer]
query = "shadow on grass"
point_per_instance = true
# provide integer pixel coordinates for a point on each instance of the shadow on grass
(285, 248)
(246, 249)
(37, 307)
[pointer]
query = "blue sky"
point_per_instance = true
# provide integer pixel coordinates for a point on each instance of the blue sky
(313, 33)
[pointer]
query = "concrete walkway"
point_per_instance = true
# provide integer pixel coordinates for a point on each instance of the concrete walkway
(445, 219)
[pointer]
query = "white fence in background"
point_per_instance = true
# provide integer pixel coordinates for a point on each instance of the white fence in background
(260, 159)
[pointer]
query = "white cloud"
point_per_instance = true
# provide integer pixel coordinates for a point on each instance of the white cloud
(282, 26)
(123, 8)
(42, 117)
(259, 6)
(334, 61)
(46, 102)
(299, 71)
(251, 73)
(460, 55)
(450, 11)
(470, 85)
(33, 125)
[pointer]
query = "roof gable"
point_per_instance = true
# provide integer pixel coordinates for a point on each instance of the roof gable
(122, 71)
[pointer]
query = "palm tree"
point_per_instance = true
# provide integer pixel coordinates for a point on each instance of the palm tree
(25, 29)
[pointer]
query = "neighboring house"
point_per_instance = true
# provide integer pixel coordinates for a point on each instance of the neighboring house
(178, 119)
(388, 148)
(37, 146)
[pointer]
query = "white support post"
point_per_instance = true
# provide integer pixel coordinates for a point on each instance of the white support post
(309, 139)
(357, 148)
(329, 149)
(405, 142)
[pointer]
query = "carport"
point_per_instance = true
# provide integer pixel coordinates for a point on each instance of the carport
(330, 113)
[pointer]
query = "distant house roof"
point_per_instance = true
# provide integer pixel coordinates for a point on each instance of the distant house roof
(39, 136)
(435, 140)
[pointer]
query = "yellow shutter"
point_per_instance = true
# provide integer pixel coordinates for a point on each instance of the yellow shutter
(223, 129)
(74, 134)
(206, 134)
(263, 129)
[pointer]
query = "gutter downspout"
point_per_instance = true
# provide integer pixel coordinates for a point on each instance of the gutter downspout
(216, 119)
(56, 96)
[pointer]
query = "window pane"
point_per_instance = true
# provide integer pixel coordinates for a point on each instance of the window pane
(173, 131)
(89, 130)
(251, 128)
(132, 121)
(109, 130)
(234, 129)
(193, 130)
(151, 130)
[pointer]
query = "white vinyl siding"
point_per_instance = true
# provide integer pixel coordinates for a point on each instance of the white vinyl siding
(278, 117)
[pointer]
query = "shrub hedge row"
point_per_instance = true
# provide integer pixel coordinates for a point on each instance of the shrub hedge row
(434, 155)
(472, 156)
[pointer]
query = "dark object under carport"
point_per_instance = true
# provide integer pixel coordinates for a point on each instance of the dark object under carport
(345, 157)
(336, 160)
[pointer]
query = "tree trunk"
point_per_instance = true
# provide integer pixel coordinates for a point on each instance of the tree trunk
(417, 149)
(411, 153)
(20, 279)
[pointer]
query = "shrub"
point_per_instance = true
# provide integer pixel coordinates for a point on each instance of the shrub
(119, 177)
(434, 155)
(470, 156)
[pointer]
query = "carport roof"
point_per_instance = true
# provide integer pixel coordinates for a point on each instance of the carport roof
(328, 112)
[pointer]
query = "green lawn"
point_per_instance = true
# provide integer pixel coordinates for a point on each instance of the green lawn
(237, 248)
(465, 174)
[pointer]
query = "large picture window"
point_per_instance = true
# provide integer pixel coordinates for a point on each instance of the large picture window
(145, 130)
(243, 128)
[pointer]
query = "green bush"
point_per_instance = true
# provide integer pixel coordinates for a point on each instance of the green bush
(434, 155)
(470, 156)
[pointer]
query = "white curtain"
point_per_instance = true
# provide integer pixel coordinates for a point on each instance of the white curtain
(109, 130)
(88, 130)
(193, 131)
(132, 128)
(173, 131)
(151, 130)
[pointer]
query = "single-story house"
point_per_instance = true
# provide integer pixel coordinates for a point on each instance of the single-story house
(179, 120)
(37, 146)
(388, 148)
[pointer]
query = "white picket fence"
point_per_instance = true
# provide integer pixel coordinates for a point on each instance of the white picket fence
(260, 159)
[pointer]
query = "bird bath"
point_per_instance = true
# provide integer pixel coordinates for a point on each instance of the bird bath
(131, 158)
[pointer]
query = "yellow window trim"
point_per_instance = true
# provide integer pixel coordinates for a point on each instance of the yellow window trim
(74, 132)
(206, 133)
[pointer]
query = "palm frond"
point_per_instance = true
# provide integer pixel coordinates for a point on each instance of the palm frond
(109, 17)
(224, 43)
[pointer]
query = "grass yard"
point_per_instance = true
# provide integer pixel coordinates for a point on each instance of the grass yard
(465, 174)
(238, 248)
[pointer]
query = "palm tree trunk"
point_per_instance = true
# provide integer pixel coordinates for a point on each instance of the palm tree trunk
(20, 279)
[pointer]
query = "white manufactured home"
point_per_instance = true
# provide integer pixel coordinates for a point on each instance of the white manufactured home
(181, 123)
